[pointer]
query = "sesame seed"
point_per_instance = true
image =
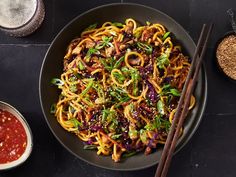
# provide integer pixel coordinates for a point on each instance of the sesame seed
(226, 56)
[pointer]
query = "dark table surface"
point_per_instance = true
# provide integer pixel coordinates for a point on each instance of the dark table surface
(210, 153)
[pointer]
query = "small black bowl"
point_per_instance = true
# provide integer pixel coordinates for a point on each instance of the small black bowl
(229, 33)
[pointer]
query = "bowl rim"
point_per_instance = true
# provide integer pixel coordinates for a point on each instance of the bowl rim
(201, 109)
(29, 135)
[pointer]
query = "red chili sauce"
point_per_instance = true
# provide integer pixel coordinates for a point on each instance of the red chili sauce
(13, 138)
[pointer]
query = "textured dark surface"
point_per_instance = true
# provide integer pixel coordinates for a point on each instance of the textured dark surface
(210, 153)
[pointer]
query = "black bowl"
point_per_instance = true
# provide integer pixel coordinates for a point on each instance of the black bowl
(52, 67)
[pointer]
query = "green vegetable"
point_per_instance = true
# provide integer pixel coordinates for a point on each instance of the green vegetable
(89, 85)
(148, 23)
(129, 154)
(119, 77)
(175, 92)
(120, 95)
(106, 66)
(167, 89)
(163, 60)
(133, 133)
(166, 124)
(160, 107)
(57, 82)
(116, 136)
(150, 126)
(157, 123)
(81, 66)
(92, 51)
(122, 100)
(125, 69)
(53, 108)
(143, 135)
(90, 147)
(72, 78)
(90, 27)
(135, 77)
(106, 41)
(73, 88)
(109, 116)
(118, 63)
(145, 47)
(75, 122)
(117, 24)
(166, 35)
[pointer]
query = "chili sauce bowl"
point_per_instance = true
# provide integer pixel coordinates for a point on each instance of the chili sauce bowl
(12, 148)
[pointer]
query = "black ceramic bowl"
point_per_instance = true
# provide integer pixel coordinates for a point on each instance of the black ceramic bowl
(52, 67)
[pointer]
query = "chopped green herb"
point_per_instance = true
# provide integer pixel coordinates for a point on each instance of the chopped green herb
(157, 121)
(167, 89)
(145, 47)
(90, 147)
(160, 107)
(106, 41)
(117, 24)
(166, 124)
(133, 133)
(163, 60)
(109, 116)
(92, 51)
(75, 122)
(148, 23)
(116, 136)
(57, 81)
(125, 69)
(89, 85)
(73, 88)
(118, 63)
(72, 78)
(81, 66)
(175, 92)
(53, 108)
(106, 66)
(166, 35)
(135, 77)
(122, 100)
(143, 135)
(91, 27)
(119, 77)
(129, 154)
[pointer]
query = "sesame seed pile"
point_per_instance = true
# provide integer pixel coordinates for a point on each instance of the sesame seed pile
(226, 56)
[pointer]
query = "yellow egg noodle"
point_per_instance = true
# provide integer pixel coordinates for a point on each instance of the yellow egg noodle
(120, 87)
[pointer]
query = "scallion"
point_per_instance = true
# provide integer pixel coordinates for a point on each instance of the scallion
(166, 35)
(56, 81)
(90, 147)
(53, 108)
(145, 47)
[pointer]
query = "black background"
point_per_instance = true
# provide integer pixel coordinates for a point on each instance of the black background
(210, 153)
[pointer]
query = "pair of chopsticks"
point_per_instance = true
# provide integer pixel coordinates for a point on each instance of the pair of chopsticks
(182, 108)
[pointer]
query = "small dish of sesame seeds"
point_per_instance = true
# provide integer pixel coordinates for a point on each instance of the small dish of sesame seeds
(226, 55)
(15, 137)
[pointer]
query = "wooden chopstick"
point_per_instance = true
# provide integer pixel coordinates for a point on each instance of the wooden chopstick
(182, 107)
